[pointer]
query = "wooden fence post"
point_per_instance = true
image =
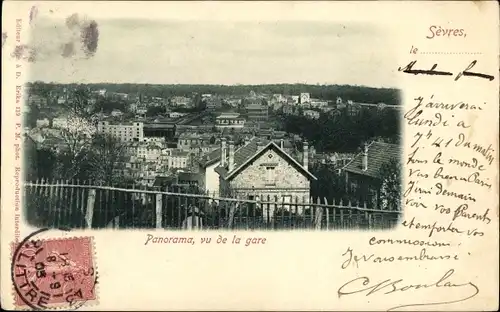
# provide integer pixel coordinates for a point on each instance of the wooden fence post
(144, 199)
(232, 209)
(90, 208)
(82, 199)
(327, 214)
(318, 215)
(117, 222)
(334, 211)
(341, 214)
(311, 209)
(159, 206)
(366, 215)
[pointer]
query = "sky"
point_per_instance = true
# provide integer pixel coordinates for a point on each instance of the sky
(170, 51)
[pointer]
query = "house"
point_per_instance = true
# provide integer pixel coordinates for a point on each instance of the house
(362, 173)
(212, 103)
(290, 109)
(262, 170)
(312, 114)
(257, 112)
(123, 131)
(178, 159)
(293, 100)
(186, 141)
(181, 101)
(229, 120)
(42, 122)
(176, 115)
(189, 178)
(164, 181)
(116, 113)
(305, 98)
(60, 122)
(37, 100)
(232, 102)
(209, 180)
(315, 103)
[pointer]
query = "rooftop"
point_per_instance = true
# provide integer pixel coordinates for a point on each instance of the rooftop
(228, 115)
(255, 106)
(164, 181)
(210, 158)
(120, 123)
(189, 176)
(243, 154)
(179, 153)
(379, 153)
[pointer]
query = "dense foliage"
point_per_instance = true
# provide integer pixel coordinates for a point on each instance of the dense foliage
(326, 92)
(345, 133)
(390, 191)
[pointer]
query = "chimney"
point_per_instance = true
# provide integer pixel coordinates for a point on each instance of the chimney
(305, 156)
(223, 152)
(259, 145)
(364, 159)
(282, 144)
(230, 165)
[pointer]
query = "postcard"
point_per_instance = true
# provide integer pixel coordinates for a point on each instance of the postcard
(289, 155)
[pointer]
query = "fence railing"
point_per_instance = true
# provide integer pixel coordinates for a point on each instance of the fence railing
(66, 204)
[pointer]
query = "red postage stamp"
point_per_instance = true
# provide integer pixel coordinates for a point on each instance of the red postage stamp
(54, 273)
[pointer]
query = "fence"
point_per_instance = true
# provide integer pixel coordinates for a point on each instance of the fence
(82, 205)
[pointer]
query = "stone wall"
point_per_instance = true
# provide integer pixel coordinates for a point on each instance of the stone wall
(288, 183)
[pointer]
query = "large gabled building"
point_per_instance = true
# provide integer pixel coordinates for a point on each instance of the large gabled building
(261, 169)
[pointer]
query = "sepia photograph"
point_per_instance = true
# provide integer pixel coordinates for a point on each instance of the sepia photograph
(210, 125)
(249, 155)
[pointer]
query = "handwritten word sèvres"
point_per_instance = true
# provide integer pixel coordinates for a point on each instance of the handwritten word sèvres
(408, 69)
(438, 31)
(364, 285)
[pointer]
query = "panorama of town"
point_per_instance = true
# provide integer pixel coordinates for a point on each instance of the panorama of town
(287, 144)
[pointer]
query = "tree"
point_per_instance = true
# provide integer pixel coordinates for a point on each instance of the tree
(330, 184)
(107, 155)
(82, 145)
(212, 138)
(76, 135)
(41, 89)
(108, 105)
(78, 103)
(154, 111)
(31, 116)
(343, 132)
(390, 191)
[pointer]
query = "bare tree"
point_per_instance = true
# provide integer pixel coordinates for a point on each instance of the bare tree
(107, 156)
(76, 135)
(79, 104)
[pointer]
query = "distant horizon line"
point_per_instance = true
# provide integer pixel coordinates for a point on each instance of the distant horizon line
(212, 84)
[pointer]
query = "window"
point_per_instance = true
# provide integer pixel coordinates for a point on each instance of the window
(354, 186)
(251, 206)
(270, 177)
(287, 200)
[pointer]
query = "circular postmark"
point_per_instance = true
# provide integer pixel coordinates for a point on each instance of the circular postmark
(53, 273)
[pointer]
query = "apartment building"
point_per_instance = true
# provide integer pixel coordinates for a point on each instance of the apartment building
(178, 159)
(123, 131)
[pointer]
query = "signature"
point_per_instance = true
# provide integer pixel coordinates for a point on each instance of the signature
(408, 69)
(388, 286)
